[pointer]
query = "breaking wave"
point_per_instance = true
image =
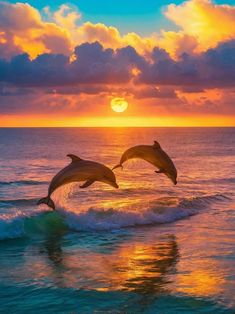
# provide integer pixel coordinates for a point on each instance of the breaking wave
(161, 211)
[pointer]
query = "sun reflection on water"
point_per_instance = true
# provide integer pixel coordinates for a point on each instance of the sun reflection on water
(140, 267)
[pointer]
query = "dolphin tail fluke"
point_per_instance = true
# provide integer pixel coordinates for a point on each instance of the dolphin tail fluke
(118, 166)
(47, 200)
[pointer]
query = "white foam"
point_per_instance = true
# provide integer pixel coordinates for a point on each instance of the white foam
(164, 210)
(100, 219)
(11, 227)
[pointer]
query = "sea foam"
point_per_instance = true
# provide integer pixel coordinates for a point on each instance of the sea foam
(157, 212)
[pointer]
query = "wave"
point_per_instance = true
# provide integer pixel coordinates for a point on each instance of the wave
(11, 227)
(18, 202)
(215, 180)
(158, 212)
(198, 202)
(20, 225)
(161, 211)
(22, 182)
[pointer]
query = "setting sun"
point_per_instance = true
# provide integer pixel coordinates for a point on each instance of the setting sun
(119, 104)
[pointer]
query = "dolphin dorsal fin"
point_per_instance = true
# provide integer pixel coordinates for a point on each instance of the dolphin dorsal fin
(74, 157)
(156, 145)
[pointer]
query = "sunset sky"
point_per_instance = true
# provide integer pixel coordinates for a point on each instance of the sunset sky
(63, 63)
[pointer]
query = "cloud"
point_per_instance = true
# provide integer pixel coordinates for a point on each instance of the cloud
(203, 20)
(110, 36)
(214, 68)
(23, 30)
(177, 43)
(67, 17)
(65, 62)
(45, 70)
(92, 65)
(154, 92)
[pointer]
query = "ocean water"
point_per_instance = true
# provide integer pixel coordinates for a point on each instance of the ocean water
(148, 247)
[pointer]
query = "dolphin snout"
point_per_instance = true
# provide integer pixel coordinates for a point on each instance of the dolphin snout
(172, 178)
(115, 185)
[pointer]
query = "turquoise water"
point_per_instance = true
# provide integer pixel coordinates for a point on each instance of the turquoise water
(149, 247)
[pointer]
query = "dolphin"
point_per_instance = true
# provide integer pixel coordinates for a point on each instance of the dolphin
(153, 154)
(79, 170)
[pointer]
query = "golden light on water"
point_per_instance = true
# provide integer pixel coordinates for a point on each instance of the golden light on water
(200, 282)
(119, 104)
(115, 121)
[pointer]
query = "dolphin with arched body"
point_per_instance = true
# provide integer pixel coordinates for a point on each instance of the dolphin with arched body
(153, 154)
(79, 170)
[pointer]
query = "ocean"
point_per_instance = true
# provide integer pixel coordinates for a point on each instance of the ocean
(147, 247)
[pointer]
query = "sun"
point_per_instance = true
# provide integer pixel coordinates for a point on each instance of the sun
(119, 104)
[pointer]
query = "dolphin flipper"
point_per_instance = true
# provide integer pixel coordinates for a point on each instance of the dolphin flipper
(117, 166)
(87, 183)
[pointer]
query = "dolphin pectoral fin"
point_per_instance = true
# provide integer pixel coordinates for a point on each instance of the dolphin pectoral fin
(86, 184)
(74, 157)
(160, 171)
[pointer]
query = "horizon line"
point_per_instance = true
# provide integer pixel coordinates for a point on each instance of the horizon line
(114, 127)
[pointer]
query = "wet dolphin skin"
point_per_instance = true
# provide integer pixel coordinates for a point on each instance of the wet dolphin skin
(79, 170)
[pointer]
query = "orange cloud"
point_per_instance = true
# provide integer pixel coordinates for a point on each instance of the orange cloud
(66, 17)
(199, 99)
(23, 30)
(199, 19)
(177, 43)
(110, 36)
(209, 100)
(107, 36)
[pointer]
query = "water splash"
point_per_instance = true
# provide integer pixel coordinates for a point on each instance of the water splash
(160, 211)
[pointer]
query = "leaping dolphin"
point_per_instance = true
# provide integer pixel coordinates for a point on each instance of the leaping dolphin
(79, 170)
(153, 154)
